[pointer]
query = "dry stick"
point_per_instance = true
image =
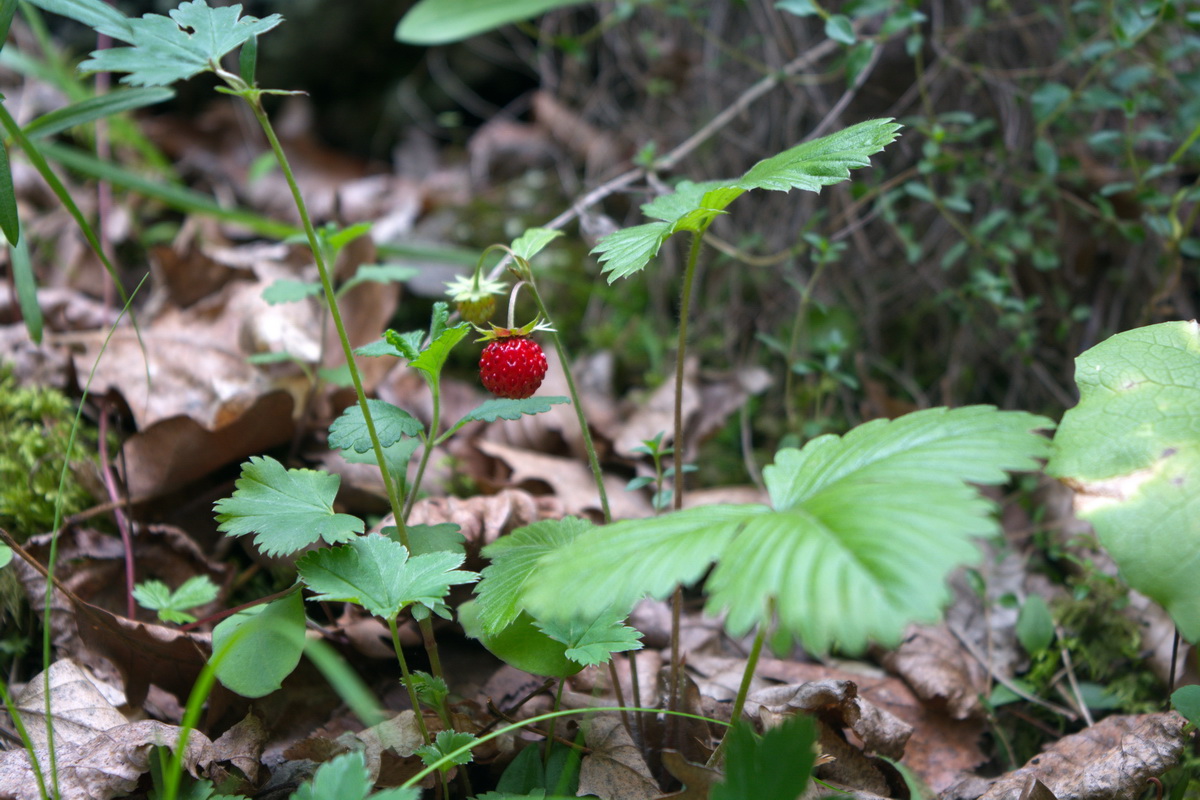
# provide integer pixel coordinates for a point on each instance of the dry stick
(1005, 682)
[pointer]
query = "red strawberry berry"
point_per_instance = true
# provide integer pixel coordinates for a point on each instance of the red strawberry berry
(512, 366)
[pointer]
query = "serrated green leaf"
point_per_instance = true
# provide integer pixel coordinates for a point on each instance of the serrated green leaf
(157, 596)
(346, 778)
(503, 408)
(445, 537)
(594, 642)
(95, 108)
(753, 764)
(377, 574)
(1131, 450)
(821, 162)
(381, 348)
(514, 560)
(396, 455)
(438, 319)
(168, 49)
(693, 206)
(443, 21)
(286, 509)
(433, 358)
(532, 241)
(240, 641)
(446, 743)
(349, 431)
(521, 644)
(96, 14)
(286, 290)
(864, 529)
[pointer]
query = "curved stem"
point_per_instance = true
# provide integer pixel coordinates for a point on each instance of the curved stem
(431, 441)
(589, 446)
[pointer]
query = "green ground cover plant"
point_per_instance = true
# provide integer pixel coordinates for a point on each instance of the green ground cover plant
(857, 541)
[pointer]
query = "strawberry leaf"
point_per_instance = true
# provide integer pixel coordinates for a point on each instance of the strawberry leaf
(377, 574)
(1131, 451)
(863, 531)
(168, 49)
(514, 559)
(240, 641)
(532, 241)
(505, 408)
(349, 431)
(752, 764)
(287, 509)
(446, 743)
(346, 778)
(693, 206)
(172, 605)
(591, 643)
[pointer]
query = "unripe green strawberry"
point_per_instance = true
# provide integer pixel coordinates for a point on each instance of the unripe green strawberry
(512, 366)
(479, 311)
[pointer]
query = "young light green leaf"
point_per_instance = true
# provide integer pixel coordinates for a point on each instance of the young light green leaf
(532, 241)
(377, 574)
(514, 559)
(864, 529)
(255, 649)
(594, 642)
(349, 431)
(693, 206)
(94, 108)
(442, 21)
(168, 49)
(286, 509)
(446, 744)
(753, 764)
(433, 358)
(1131, 450)
(346, 778)
(171, 606)
(285, 290)
(503, 408)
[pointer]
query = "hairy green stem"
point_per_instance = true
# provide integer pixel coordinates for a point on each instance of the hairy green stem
(394, 629)
(562, 683)
(588, 445)
(15, 716)
(253, 98)
(685, 304)
(435, 422)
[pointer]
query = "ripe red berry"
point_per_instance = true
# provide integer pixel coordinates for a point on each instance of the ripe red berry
(512, 366)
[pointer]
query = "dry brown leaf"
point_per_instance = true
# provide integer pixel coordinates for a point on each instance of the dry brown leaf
(106, 766)
(615, 769)
(939, 669)
(241, 746)
(484, 518)
(697, 779)
(1110, 760)
(571, 481)
(81, 704)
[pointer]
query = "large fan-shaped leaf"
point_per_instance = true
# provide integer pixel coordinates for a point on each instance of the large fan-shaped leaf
(864, 529)
(1131, 448)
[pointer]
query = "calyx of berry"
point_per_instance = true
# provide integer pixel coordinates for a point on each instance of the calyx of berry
(497, 332)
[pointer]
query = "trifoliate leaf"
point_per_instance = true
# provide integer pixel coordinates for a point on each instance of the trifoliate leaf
(377, 574)
(693, 206)
(514, 558)
(445, 744)
(346, 778)
(171, 606)
(1131, 450)
(168, 49)
(285, 290)
(240, 642)
(594, 642)
(753, 764)
(287, 509)
(863, 531)
(503, 408)
(531, 242)
(349, 431)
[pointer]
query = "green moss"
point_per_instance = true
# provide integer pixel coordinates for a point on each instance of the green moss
(35, 427)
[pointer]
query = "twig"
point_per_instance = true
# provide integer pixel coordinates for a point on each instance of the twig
(1005, 682)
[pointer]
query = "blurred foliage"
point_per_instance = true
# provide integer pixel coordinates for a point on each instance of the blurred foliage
(35, 427)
